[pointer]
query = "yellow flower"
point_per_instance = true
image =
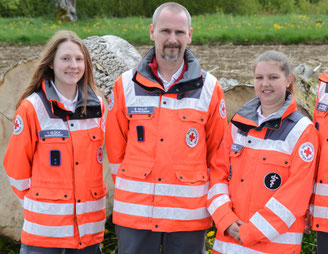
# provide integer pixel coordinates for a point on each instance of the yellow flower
(102, 245)
(125, 30)
(210, 233)
(276, 26)
(106, 231)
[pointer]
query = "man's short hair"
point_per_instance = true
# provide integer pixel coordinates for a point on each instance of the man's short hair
(172, 6)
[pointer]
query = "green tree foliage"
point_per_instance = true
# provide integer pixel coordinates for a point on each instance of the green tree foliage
(145, 8)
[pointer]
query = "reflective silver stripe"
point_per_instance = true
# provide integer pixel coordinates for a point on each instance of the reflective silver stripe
(48, 208)
(281, 211)
(200, 104)
(48, 231)
(286, 146)
(320, 212)
(322, 95)
(216, 203)
(91, 206)
(160, 212)
(321, 189)
(48, 123)
(219, 188)
(114, 168)
(289, 238)
(233, 248)
(173, 190)
(22, 184)
(129, 91)
(45, 121)
(264, 226)
(91, 228)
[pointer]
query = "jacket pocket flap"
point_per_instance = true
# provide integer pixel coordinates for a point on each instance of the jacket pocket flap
(190, 115)
(99, 191)
(139, 116)
(140, 171)
(186, 175)
(51, 194)
(280, 159)
(95, 134)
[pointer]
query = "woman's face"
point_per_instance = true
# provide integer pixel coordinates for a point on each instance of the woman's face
(68, 64)
(270, 85)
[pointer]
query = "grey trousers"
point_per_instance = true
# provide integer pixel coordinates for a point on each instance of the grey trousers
(27, 249)
(322, 242)
(135, 241)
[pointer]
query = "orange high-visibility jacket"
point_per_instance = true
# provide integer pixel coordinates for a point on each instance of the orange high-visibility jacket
(54, 164)
(319, 206)
(265, 179)
(159, 145)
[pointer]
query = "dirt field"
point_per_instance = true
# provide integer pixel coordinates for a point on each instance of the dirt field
(228, 61)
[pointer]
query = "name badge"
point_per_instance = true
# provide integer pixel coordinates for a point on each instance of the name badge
(322, 107)
(140, 110)
(236, 147)
(54, 134)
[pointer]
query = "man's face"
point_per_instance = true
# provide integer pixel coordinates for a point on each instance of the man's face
(171, 35)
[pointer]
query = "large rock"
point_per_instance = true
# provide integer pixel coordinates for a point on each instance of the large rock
(110, 56)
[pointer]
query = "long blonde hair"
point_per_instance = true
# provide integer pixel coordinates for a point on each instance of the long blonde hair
(43, 70)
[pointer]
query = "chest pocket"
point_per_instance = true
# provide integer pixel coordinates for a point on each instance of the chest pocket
(191, 115)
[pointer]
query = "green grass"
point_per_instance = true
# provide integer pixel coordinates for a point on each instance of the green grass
(215, 28)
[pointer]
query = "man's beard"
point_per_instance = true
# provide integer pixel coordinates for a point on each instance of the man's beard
(171, 57)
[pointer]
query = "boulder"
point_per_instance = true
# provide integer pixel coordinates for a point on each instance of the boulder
(111, 56)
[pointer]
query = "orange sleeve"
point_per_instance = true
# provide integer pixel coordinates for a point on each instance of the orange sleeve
(117, 126)
(20, 151)
(217, 122)
(219, 203)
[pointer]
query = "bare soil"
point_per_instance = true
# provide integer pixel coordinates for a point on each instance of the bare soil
(228, 61)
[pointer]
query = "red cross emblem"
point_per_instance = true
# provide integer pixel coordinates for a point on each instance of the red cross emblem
(100, 154)
(306, 152)
(18, 125)
(192, 137)
(223, 112)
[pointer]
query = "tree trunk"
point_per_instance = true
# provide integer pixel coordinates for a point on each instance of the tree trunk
(66, 10)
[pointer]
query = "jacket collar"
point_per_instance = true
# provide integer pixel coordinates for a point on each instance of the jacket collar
(192, 78)
(246, 117)
(58, 109)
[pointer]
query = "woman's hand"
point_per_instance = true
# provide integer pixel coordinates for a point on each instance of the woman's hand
(233, 230)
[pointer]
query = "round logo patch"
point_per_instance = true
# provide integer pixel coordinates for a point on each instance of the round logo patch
(18, 125)
(192, 137)
(272, 181)
(223, 111)
(100, 154)
(306, 152)
(111, 102)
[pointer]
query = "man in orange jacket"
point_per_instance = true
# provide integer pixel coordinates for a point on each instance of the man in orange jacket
(166, 118)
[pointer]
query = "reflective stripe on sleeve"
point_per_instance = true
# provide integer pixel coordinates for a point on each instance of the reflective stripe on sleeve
(216, 203)
(224, 247)
(160, 212)
(114, 168)
(319, 212)
(22, 184)
(91, 206)
(281, 211)
(48, 208)
(321, 189)
(48, 231)
(264, 226)
(159, 189)
(92, 228)
(219, 188)
(289, 238)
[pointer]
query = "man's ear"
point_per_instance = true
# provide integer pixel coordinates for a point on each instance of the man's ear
(151, 32)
